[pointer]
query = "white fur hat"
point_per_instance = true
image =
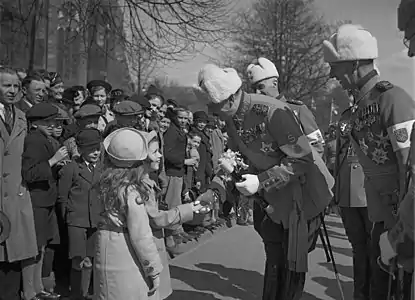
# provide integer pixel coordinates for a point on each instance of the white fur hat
(261, 69)
(219, 83)
(350, 43)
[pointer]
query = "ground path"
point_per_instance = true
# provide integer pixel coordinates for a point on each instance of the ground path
(230, 266)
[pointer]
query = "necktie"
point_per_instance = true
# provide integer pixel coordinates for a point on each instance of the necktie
(91, 168)
(8, 118)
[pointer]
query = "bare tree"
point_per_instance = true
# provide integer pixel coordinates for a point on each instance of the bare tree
(290, 34)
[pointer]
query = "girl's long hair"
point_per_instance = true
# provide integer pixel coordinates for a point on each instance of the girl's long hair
(115, 184)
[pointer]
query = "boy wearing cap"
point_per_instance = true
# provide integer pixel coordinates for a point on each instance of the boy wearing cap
(40, 157)
(127, 114)
(80, 208)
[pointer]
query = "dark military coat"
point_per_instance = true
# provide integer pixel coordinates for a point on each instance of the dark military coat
(267, 133)
(348, 173)
(380, 125)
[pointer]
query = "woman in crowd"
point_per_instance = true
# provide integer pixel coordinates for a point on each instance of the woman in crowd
(99, 91)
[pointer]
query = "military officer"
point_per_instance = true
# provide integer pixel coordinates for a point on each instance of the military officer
(379, 128)
(350, 196)
(399, 241)
(281, 172)
(263, 77)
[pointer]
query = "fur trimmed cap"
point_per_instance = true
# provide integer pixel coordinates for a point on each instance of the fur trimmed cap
(350, 43)
(261, 69)
(219, 83)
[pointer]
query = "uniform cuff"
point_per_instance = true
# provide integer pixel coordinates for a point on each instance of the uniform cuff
(276, 177)
(186, 212)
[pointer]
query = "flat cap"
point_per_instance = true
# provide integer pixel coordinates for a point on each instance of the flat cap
(127, 108)
(88, 138)
(95, 83)
(42, 111)
(153, 90)
(200, 115)
(88, 110)
(140, 99)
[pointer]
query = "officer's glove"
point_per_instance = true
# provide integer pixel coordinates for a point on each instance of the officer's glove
(386, 250)
(249, 186)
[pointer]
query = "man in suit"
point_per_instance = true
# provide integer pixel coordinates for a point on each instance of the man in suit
(34, 91)
(15, 202)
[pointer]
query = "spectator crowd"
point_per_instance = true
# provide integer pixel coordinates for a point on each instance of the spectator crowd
(52, 157)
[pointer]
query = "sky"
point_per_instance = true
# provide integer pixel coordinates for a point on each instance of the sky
(378, 16)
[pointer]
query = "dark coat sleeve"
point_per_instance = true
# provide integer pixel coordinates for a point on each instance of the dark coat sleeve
(201, 170)
(35, 160)
(172, 154)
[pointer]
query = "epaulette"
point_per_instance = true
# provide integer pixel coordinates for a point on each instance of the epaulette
(296, 102)
(260, 109)
(383, 86)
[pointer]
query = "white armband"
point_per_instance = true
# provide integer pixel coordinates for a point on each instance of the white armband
(400, 135)
(315, 136)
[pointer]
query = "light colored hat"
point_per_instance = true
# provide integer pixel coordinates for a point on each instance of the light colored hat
(126, 146)
(261, 69)
(219, 83)
(149, 136)
(350, 43)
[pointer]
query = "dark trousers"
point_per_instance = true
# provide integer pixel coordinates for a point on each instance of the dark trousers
(358, 228)
(279, 282)
(380, 283)
(10, 278)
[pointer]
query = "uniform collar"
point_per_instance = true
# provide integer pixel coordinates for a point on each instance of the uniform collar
(366, 84)
(244, 105)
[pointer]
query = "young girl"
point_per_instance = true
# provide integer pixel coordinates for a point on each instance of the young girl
(128, 265)
(161, 219)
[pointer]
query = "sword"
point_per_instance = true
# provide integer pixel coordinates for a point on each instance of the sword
(332, 257)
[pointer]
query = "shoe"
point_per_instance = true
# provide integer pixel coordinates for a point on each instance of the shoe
(44, 295)
(200, 229)
(186, 237)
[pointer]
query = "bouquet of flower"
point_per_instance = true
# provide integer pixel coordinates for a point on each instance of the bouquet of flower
(232, 164)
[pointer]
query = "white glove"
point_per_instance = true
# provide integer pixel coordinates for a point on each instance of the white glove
(249, 186)
(386, 249)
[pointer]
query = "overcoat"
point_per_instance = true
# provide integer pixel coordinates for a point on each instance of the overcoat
(15, 199)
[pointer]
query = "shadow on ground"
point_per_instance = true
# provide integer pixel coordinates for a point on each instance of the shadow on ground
(332, 288)
(337, 235)
(307, 296)
(333, 224)
(227, 282)
(338, 250)
(191, 295)
(346, 271)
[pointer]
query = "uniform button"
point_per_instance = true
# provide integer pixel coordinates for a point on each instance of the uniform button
(150, 269)
(146, 263)
(355, 166)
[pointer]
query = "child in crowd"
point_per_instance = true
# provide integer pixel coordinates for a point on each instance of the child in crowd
(80, 208)
(40, 157)
(192, 162)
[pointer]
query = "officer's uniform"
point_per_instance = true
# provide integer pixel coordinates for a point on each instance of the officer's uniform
(350, 196)
(267, 134)
(263, 69)
(379, 128)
